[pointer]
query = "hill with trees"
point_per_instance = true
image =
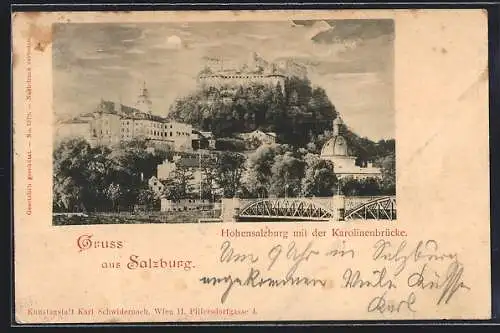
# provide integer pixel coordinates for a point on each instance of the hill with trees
(297, 115)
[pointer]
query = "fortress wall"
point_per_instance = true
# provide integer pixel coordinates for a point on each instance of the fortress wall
(241, 80)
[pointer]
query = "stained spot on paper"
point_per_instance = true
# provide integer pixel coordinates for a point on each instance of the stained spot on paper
(443, 50)
(41, 35)
(43, 39)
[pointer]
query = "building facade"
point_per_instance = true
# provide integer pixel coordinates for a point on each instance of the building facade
(74, 129)
(113, 122)
(256, 70)
(263, 137)
(185, 205)
(106, 128)
(336, 150)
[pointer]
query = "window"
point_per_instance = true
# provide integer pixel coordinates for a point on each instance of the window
(170, 133)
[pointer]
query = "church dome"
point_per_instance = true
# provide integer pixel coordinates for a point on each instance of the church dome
(336, 146)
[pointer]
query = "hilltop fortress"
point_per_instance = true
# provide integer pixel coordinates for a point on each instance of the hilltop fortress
(222, 73)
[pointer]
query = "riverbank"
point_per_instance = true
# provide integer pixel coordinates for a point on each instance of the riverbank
(134, 218)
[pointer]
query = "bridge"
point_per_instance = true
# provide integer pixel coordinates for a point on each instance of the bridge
(286, 209)
(378, 209)
(336, 208)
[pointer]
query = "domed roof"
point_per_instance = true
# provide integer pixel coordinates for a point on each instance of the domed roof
(336, 146)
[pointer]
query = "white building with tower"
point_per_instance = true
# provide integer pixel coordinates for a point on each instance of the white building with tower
(336, 150)
(112, 123)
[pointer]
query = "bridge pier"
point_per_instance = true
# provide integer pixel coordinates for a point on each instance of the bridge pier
(339, 207)
(230, 210)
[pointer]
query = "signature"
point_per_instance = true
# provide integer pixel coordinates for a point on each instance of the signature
(382, 304)
(425, 250)
(255, 280)
(449, 284)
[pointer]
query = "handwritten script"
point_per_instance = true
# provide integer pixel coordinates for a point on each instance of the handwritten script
(397, 272)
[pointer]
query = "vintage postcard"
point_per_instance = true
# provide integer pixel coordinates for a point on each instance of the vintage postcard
(251, 166)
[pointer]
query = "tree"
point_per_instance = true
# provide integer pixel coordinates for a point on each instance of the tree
(388, 169)
(182, 179)
(230, 167)
(67, 194)
(230, 144)
(208, 175)
(363, 187)
(114, 193)
(171, 189)
(87, 177)
(287, 172)
(319, 179)
(146, 197)
(259, 165)
(72, 186)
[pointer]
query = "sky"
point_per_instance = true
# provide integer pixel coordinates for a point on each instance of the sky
(351, 59)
